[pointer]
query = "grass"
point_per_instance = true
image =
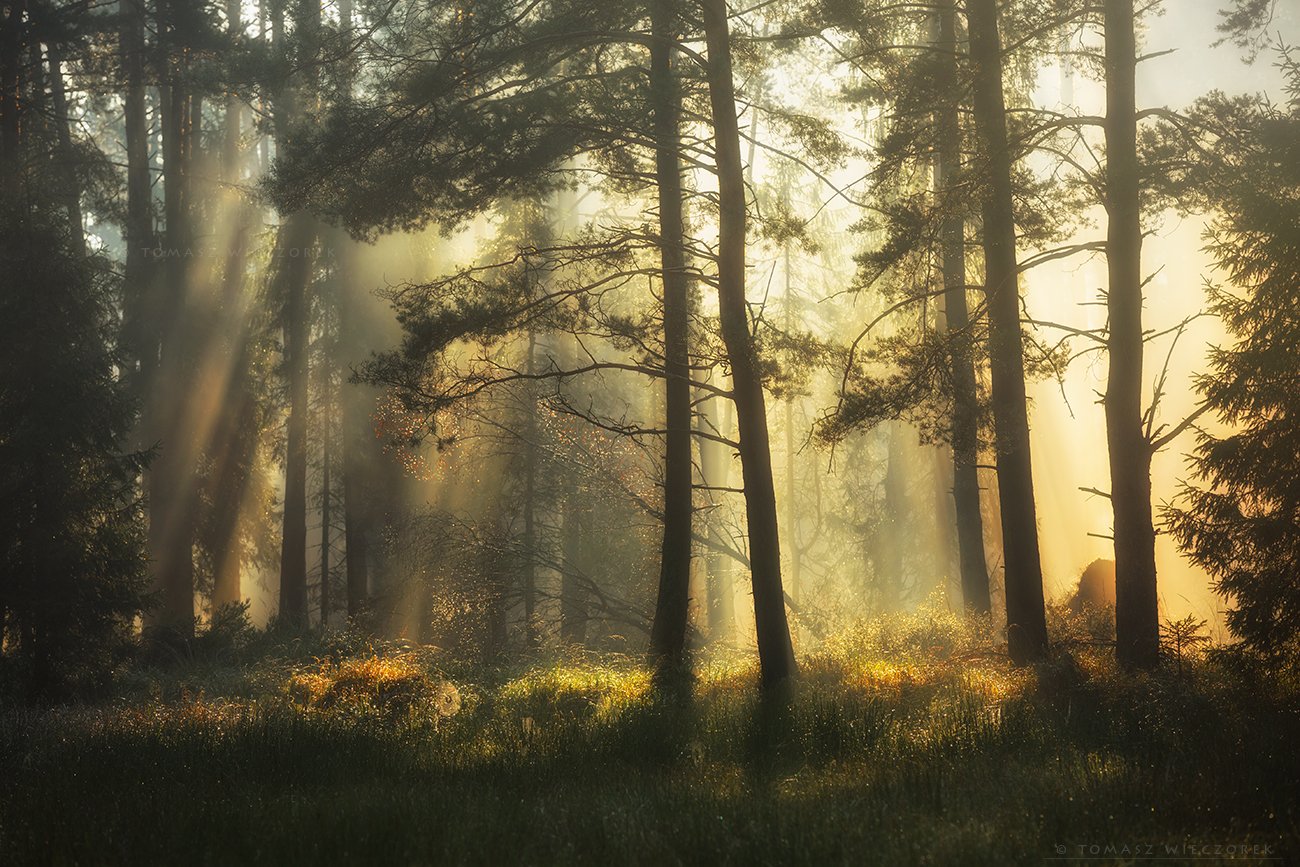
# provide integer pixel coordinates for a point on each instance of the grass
(896, 747)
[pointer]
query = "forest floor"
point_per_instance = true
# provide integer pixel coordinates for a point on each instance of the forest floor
(895, 747)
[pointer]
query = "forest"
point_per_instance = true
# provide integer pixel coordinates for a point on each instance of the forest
(649, 431)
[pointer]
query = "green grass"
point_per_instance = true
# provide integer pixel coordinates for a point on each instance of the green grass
(921, 754)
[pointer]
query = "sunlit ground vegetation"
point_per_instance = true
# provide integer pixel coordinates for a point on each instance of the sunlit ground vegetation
(907, 740)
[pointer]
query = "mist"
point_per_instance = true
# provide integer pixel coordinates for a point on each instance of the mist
(649, 432)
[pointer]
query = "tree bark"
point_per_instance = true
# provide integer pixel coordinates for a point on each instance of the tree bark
(529, 566)
(791, 477)
(965, 397)
(293, 274)
(235, 442)
(1026, 619)
(775, 652)
(325, 500)
(12, 37)
(72, 203)
(353, 418)
(668, 632)
(172, 481)
(1137, 624)
(295, 248)
(139, 333)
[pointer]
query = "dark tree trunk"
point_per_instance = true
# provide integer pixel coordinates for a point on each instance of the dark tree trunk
(12, 40)
(965, 397)
(791, 476)
(234, 444)
(325, 501)
(294, 251)
(173, 494)
(668, 633)
(1026, 619)
(529, 566)
(238, 442)
(139, 331)
(775, 652)
(1137, 625)
(72, 194)
(295, 248)
(354, 421)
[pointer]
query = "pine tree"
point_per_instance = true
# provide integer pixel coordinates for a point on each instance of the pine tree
(1242, 522)
(72, 567)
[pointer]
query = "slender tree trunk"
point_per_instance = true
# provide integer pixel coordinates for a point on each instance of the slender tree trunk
(59, 93)
(791, 477)
(139, 333)
(354, 426)
(1026, 619)
(353, 417)
(776, 654)
(295, 252)
(715, 472)
(1137, 624)
(668, 633)
(965, 398)
(529, 565)
(325, 503)
(234, 444)
(173, 490)
(237, 444)
(12, 40)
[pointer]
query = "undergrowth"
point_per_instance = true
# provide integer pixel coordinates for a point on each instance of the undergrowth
(905, 741)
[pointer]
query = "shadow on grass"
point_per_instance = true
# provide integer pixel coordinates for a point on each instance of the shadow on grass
(591, 764)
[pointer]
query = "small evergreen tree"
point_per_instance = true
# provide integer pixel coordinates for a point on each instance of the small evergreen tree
(72, 568)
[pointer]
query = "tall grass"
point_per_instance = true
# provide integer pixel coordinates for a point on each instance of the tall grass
(905, 742)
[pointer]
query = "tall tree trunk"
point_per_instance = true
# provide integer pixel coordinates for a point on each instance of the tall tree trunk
(12, 38)
(353, 418)
(72, 195)
(172, 480)
(775, 652)
(354, 428)
(295, 252)
(234, 444)
(1026, 619)
(715, 468)
(1137, 625)
(139, 333)
(791, 477)
(529, 565)
(325, 501)
(668, 632)
(965, 398)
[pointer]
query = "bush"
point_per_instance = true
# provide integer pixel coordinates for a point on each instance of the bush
(390, 687)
